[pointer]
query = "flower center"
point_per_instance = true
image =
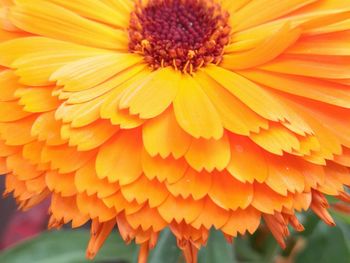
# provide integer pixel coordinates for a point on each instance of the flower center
(185, 34)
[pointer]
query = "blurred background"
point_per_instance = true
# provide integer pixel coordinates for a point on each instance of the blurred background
(24, 239)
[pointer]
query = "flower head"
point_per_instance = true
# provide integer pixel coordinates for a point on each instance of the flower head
(187, 114)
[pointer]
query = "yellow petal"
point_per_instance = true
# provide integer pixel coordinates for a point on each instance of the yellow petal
(153, 96)
(23, 169)
(211, 215)
(244, 153)
(195, 112)
(162, 135)
(251, 94)
(19, 132)
(235, 115)
(86, 180)
(275, 9)
(95, 208)
(53, 21)
(310, 67)
(85, 95)
(47, 128)
(169, 169)
(276, 139)
(192, 184)
(89, 72)
(145, 190)
(8, 85)
(65, 159)
(119, 160)
(12, 111)
(97, 11)
(79, 115)
(61, 183)
(265, 52)
(268, 201)
(147, 218)
(209, 154)
(179, 209)
(89, 137)
(327, 92)
(37, 99)
(229, 193)
(242, 221)
(283, 176)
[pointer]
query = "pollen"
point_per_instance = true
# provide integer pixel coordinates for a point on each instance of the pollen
(184, 34)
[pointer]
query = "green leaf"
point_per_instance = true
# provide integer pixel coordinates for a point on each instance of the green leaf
(245, 251)
(166, 249)
(341, 216)
(310, 222)
(327, 245)
(217, 250)
(67, 247)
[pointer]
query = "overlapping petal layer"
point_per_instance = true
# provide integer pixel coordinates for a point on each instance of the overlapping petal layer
(263, 135)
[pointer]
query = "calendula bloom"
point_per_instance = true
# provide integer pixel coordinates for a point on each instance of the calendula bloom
(187, 114)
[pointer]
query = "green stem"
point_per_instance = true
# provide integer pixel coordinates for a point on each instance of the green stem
(271, 250)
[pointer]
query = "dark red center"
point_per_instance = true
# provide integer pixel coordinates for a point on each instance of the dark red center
(185, 34)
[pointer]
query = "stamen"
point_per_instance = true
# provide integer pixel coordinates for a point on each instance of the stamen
(184, 34)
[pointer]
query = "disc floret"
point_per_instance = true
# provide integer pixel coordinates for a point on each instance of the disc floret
(185, 34)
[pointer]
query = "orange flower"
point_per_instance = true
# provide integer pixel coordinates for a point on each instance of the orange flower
(187, 114)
